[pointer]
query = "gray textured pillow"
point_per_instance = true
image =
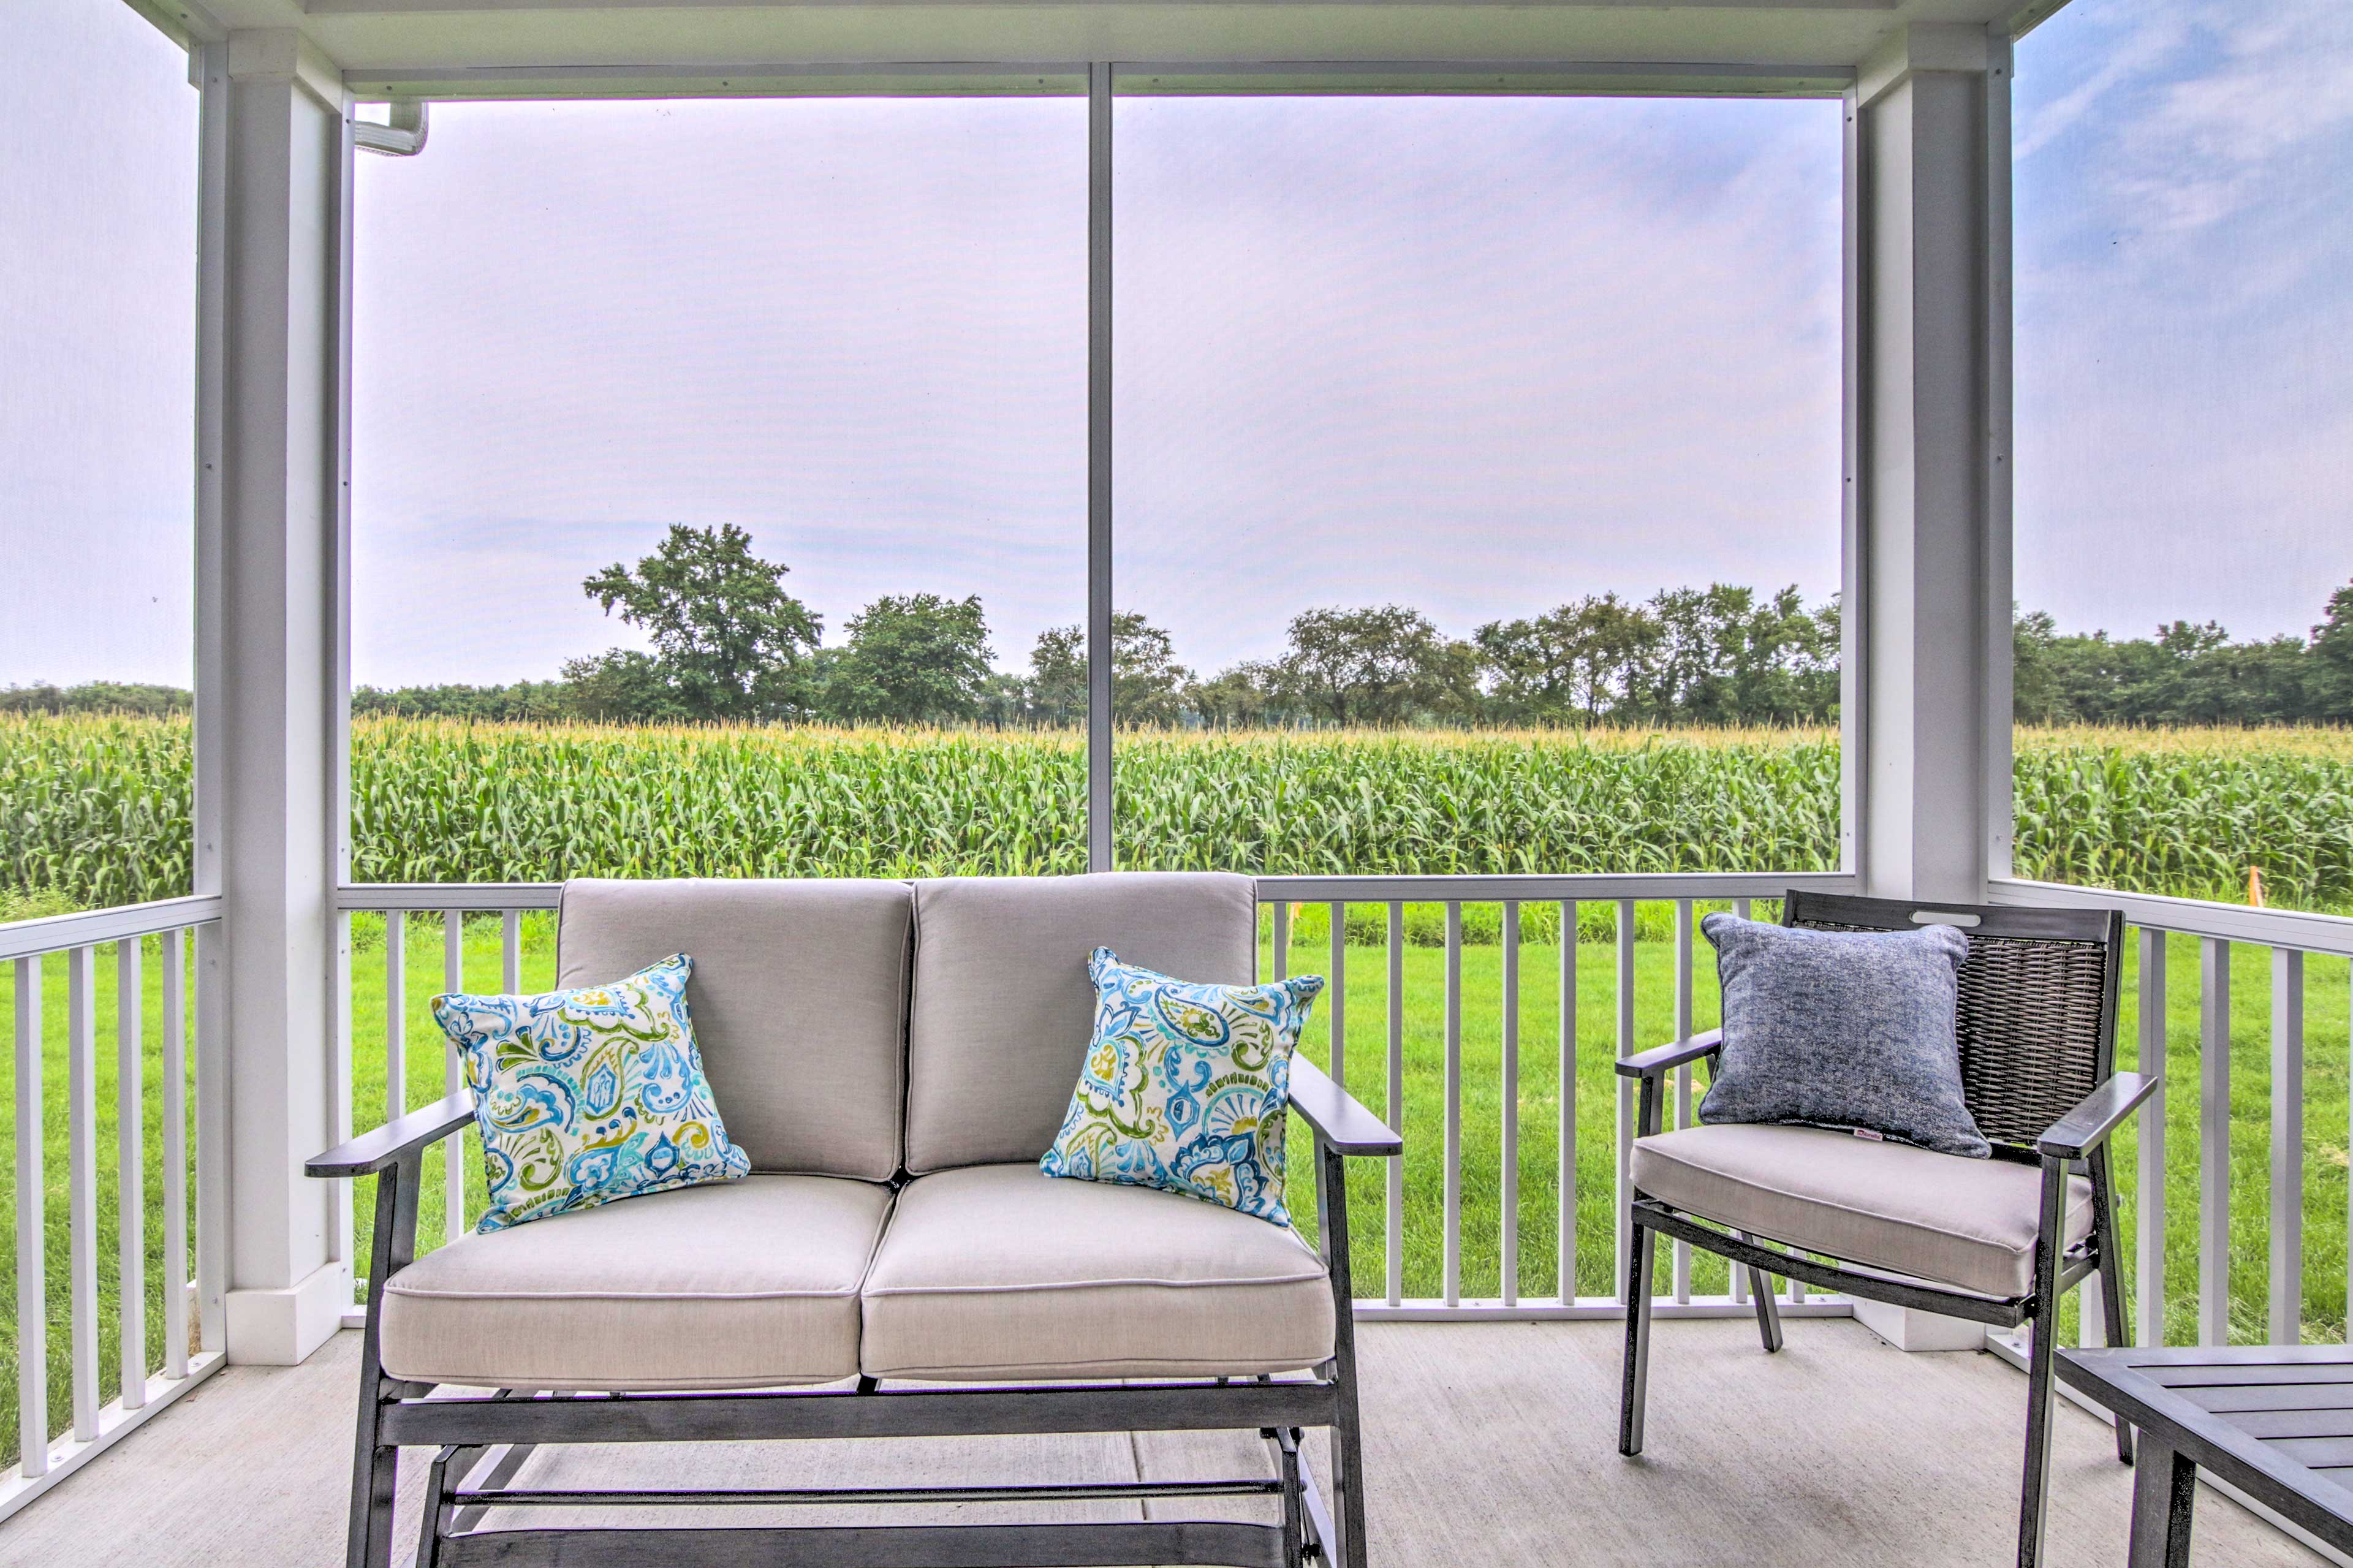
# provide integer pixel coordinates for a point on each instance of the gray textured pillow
(1842, 1029)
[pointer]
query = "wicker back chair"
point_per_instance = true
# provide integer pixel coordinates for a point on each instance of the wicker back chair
(2037, 1018)
(2035, 1024)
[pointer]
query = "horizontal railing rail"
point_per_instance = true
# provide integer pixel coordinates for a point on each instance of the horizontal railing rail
(92, 927)
(2296, 929)
(186, 1357)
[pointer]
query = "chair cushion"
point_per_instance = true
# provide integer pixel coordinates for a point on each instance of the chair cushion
(1960, 1222)
(1003, 1007)
(747, 1285)
(999, 1272)
(799, 1000)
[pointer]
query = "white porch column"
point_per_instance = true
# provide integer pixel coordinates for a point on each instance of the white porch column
(1933, 169)
(268, 580)
(1932, 173)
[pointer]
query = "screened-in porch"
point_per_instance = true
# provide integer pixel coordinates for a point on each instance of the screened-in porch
(486, 294)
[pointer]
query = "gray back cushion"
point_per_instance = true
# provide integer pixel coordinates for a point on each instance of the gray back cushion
(1842, 1029)
(799, 1001)
(1003, 1007)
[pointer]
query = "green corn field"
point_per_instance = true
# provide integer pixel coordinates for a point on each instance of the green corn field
(97, 810)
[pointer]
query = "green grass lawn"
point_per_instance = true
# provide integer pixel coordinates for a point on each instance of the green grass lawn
(1538, 1112)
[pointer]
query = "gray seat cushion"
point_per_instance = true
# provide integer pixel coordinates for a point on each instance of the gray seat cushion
(799, 1001)
(998, 1272)
(1942, 1218)
(1003, 1007)
(744, 1284)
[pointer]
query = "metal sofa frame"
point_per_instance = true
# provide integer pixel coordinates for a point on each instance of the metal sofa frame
(465, 1430)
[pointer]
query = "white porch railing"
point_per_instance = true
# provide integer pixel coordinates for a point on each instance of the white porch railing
(1391, 1215)
(1419, 1253)
(132, 933)
(2291, 939)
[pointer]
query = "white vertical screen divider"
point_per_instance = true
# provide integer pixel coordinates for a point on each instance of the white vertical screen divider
(2214, 1142)
(1452, 1254)
(511, 952)
(2285, 1325)
(395, 1015)
(1509, 1198)
(453, 1149)
(2148, 1193)
(1564, 1178)
(81, 1176)
(1336, 988)
(1683, 1264)
(1622, 1190)
(1739, 1277)
(1281, 944)
(173, 1066)
(1392, 1217)
(130, 1168)
(32, 1233)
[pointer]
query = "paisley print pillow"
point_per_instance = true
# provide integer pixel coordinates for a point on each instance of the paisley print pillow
(588, 1095)
(1185, 1087)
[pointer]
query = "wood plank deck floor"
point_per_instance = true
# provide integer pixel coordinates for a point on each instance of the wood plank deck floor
(1486, 1443)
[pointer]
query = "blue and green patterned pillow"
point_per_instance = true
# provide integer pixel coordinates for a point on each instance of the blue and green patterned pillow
(1185, 1087)
(588, 1096)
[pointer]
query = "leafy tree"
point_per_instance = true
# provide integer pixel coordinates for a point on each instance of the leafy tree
(1236, 699)
(727, 636)
(2331, 690)
(1381, 665)
(1576, 663)
(623, 685)
(521, 702)
(1148, 685)
(1531, 664)
(97, 696)
(1057, 674)
(914, 658)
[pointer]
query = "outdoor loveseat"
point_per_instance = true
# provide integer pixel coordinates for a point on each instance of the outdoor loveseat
(895, 1057)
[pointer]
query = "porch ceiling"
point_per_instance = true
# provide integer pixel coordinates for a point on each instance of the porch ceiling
(388, 46)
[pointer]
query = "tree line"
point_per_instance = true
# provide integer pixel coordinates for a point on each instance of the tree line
(731, 644)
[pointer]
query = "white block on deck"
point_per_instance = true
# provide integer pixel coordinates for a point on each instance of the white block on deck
(281, 1327)
(1910, 1329)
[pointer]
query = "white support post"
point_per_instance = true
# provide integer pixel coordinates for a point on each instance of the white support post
(268, 581)
(1928, 449)
(1926, 261)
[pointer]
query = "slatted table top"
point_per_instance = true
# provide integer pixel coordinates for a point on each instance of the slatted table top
(2277, 1421)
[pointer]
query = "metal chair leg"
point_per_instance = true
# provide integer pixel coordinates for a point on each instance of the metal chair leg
(375, 1466)
(430, 1527)
(1769, 1309)
(1640, 1265)
(2035, 1489)
(2112, 1285)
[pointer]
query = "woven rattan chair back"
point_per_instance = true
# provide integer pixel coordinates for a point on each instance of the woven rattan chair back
(2037, 1005)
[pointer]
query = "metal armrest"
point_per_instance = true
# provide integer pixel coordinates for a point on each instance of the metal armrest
(1666, 1058)
(371, 1153)
(1343, 1125)
(2103, 1110)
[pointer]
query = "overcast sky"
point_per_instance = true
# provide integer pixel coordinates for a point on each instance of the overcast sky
(1478, 355)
